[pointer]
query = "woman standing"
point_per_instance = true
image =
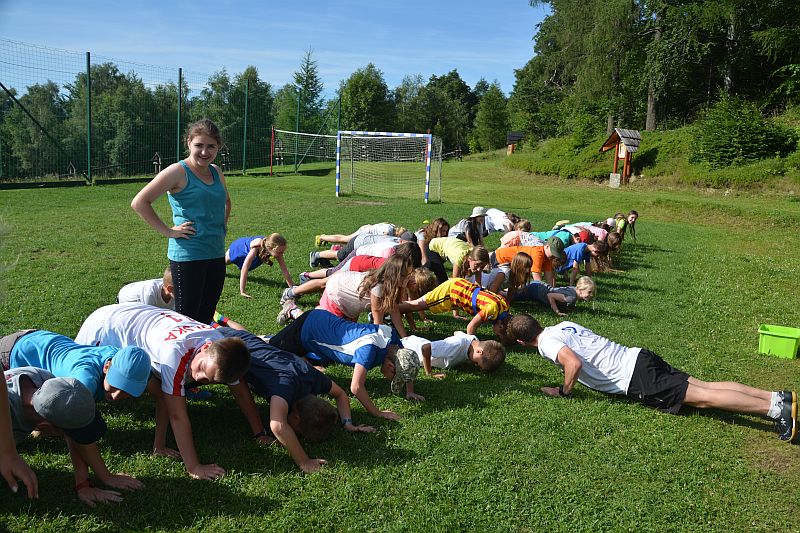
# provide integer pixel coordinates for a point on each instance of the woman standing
(200, 208)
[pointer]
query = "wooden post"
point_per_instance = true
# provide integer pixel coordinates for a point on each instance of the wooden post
(616, 157)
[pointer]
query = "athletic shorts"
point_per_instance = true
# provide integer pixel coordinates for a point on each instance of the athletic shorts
(656, 384)
(7, 345)
(288, 339)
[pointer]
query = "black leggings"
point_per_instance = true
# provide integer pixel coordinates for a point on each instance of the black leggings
(198, 286)
(436, 265)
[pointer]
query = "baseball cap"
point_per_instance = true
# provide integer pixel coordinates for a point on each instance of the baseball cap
(406, 368)
(478, 211)
(408, 236)
(130, 370)
(67, 404)
(556, 247)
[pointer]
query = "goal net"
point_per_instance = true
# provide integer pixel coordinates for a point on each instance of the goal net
(389, 164)
(290, 149)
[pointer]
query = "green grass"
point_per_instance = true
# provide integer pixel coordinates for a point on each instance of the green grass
(484, 453)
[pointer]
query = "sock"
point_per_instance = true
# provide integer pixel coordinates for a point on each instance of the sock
(290, 293)
(295, 313)
(774, 406)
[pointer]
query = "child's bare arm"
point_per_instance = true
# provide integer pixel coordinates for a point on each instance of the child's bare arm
(359, 390)
(497, 282)
(411, 395)
(550, 278)
(248, 261)
(278, 423)
(343, 406)
(573, 275)
(182, 429)
(397, 321)
(474, 324)
(555, 298)
(244, 399)
(85, 456)
(162, 421)
(287, 276)
(426, 359)
(414, 305)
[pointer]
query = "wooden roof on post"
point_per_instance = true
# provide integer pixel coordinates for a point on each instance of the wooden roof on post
(630, 138)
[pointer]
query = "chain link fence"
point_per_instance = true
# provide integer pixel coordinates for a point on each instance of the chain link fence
(71, 116)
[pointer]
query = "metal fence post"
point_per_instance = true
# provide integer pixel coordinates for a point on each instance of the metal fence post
(244, 133)
(178, 128)
(297, 127)
(88, 117)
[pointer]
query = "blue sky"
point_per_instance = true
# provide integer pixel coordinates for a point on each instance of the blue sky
(479, 39)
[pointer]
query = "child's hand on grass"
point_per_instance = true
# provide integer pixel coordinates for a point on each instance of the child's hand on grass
(91, 496)
(390, 415)
(166, 452)
(414, 396)
(361, 428)
(245, 295)
(210, 471)
(439, 375)
(312, 465)
(122, 482)
(266, 440)
(551, 391)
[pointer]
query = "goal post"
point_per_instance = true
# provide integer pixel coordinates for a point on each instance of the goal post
(389, 164)
(292, 149)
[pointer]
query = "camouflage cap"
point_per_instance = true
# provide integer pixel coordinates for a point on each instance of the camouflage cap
(406, 368)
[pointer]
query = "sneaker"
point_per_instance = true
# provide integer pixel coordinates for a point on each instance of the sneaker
(787, 421)
(313, 259)
(285, 314)
(196, 393)
(304, 277)
(318, 241)
(287, 295)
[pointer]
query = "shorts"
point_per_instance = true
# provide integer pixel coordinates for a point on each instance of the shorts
(656, 384)
(7, 345)
(288, 338)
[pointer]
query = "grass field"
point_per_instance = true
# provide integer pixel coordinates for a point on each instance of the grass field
(484, 453)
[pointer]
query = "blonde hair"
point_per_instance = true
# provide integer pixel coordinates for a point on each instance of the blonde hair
(167, 279)
(476, 253)
(494, 354)
(425, 281)
(399, 230)
(266, 250)
(390, 275)
(585, 283)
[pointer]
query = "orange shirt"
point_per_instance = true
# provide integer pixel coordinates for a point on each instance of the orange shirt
(541, 263)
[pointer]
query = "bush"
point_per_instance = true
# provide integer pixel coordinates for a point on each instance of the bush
(734, 132)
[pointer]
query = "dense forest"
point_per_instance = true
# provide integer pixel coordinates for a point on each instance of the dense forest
(726, 66)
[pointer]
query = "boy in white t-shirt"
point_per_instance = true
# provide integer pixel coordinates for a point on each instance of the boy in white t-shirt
(644, 377)
(456, 350)
(182, 352)
(155, 292)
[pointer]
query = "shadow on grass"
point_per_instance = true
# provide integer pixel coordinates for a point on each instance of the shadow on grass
(259, 280)
(163, 503)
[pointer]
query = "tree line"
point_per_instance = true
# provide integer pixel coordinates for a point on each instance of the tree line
(643, 64)
(132, 121)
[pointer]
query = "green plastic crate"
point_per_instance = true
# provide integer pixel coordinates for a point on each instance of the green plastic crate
(780, 341)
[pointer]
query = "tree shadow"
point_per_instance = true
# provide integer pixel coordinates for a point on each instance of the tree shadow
(644, 159)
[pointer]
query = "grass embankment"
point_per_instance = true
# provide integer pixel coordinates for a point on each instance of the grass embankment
(484, 453)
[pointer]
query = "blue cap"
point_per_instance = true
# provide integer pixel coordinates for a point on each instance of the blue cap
(130, 370)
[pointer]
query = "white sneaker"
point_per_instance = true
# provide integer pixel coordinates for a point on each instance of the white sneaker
(285, 314)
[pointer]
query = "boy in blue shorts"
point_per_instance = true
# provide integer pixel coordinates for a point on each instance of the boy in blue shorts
(291, 386)
(322, 337)
(110, 373)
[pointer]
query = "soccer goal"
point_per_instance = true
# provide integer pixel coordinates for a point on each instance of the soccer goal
(389, 164)
(290, 149)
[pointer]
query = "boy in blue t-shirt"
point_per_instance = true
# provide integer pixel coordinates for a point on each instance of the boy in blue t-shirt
(322, 337)
(291, 386)
(581, 253)
(110, 373)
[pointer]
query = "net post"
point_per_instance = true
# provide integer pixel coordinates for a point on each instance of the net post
(428, 146)
(338, 159)
(271, 149)
(297, 127)
(88, 117)
(178, 127)
(244, 132)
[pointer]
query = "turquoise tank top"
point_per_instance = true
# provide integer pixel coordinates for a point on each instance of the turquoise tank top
(204, 205)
